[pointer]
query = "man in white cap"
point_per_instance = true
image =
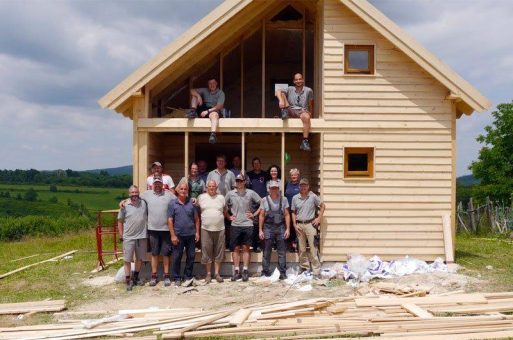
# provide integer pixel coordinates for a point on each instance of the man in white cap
(157, 170)
(274, 225)
(304, 207)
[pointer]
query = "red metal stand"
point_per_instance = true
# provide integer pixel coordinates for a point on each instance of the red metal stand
(102, 234)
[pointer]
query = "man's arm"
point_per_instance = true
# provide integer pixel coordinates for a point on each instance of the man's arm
(120, 229)
(287, 223)
(318, 219)
(197, 223)
(261, 218)
(195, 93)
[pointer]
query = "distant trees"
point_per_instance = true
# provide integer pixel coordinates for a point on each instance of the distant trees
(494, 166)
(30, 195)
(65, 177)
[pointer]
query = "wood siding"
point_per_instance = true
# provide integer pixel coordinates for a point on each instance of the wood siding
(401, 111)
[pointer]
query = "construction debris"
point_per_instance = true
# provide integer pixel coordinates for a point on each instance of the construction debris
(38, 263)
(460, 315)
(32, 307)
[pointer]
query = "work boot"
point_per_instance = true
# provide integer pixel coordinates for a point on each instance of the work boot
(177, 283)
(283, 276)
(305, 145)
(219, 278)
(284, 113)
(167, 281)
(245, 275)
(208, 278)
(153, 281)
(139, 282)
(129, 285)
(212, 139)
(191, 114)
(188, 282)
(266, 273)
(236, 276)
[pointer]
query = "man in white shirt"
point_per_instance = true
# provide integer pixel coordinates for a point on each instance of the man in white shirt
(157, 170)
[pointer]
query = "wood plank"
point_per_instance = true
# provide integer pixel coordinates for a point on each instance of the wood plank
(33, 306)
(475, 298)
(417, 311)
(37, 263)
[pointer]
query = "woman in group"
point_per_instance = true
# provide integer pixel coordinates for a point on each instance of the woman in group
(275, 172)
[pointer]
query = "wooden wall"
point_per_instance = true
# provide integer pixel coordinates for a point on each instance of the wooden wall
(401, 111)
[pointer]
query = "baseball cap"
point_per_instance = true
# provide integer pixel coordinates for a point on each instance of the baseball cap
(157, 179)
(240, 177)
(304, 181)
(156, 164)
(274, 184)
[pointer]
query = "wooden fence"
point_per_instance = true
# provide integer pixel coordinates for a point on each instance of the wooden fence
(489, 216)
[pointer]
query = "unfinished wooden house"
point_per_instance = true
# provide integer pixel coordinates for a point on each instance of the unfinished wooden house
(384, 123)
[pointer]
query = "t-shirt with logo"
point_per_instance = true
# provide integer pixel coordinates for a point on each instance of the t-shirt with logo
(257, 182)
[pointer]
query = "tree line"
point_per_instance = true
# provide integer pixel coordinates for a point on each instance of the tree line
(65, 177)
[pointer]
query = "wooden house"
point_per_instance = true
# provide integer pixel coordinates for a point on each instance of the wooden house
(384, 123)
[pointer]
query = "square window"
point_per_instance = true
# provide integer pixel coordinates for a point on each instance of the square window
(358, 162)
(359, 59)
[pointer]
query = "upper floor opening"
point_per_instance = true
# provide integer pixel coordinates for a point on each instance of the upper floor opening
(281, 42)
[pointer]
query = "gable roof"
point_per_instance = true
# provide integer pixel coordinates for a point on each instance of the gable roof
(468, 99)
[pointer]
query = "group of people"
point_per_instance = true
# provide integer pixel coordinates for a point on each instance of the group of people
(226, 209)
(294, 102)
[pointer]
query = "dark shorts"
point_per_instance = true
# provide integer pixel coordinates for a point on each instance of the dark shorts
(240, 236)
(295, 112)
(204, 107)
(160, 242)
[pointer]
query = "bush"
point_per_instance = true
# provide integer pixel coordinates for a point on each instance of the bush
(30, 195)
(15, 228)
(53, 188)
(53, 199)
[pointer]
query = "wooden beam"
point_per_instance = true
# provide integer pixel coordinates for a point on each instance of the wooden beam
(37, 263)
(186, 154)
(243, 152)
(282, 164)
(448, 239)
(263, 68)
(242, 79)
(417, 311)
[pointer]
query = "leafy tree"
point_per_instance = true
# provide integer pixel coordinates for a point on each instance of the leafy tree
(53, 188)
(30, 195)
(494, 166)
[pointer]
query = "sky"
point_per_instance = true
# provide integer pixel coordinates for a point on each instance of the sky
(57, 58)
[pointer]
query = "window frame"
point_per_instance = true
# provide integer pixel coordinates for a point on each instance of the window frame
(369, 174)
(371, 70)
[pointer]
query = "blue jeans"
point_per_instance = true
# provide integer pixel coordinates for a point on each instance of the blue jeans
(273, 232)
(187, 243)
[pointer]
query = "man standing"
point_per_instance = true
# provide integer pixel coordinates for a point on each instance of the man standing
(132, 220)
(208, 103)
(157, 170)
(196, 184)
(257, 181)
(304, 206)
(274, 226)
(202, 169)
(160, 242)
(184, 226)
(297, 102)
(238, 210)
(224, 178)
(291, 190)
(236, 165)
(212, 230)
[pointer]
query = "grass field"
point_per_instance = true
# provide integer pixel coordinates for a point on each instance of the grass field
(93, 198)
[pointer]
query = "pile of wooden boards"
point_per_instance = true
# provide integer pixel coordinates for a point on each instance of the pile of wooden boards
(32, 307)
(456, 316)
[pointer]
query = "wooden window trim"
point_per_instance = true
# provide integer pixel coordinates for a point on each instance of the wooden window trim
(369, 174)
(369, 49)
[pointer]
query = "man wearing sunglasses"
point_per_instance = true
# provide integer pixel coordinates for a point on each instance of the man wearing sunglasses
(297, 102)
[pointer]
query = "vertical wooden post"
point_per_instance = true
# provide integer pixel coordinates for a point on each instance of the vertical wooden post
(186, 154)
(243, 153)
(242, 79)
(471, 212)
(221, 70)
(491, 217)
(303, 66)
(141, 140)
(282, 164)
(263, 68)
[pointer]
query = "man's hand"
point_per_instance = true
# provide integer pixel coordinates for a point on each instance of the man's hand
(123, 203)
(249, 215)
(232, 218)
(174, 240)
(316, 222)
(197, 237)
(298, 230)
(286, 234)
(204, 113)
(261, 234)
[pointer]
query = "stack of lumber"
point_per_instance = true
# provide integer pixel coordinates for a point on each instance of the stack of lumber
(32, 307)
(456, 316)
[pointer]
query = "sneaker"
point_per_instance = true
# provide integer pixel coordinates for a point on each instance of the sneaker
(236, 276)
(208, 278)
(245, 275)
(191, 114)
(302, 270)
(153, 282)
(257, 250)
(129, 285)
(177, 283)
(212, 139)
(283, 277)
(284, 113)
(305, 145)
(266, 273)
(219, 278)
(139, 282)
(188, 282)
(167, 282)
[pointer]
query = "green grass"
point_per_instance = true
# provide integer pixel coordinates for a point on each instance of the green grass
(11, 207)
(93, 198)
(476, 252)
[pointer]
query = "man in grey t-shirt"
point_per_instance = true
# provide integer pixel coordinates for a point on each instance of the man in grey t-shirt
(132, 230)
(224, 178)
(304, 206)
(297, 102)
(239, 204)
(208, 103)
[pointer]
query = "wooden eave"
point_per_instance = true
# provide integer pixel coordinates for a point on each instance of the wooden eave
(471, 99)
(117, 97)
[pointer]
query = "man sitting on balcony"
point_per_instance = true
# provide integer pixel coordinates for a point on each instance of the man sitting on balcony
(207, 103)
(297, 102)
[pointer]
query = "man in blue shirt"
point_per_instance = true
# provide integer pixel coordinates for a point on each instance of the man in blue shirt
(257, 181)
(184, 226)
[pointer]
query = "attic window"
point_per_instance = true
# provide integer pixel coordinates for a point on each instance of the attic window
(289, 13)
(358, 162)
(359, 59)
